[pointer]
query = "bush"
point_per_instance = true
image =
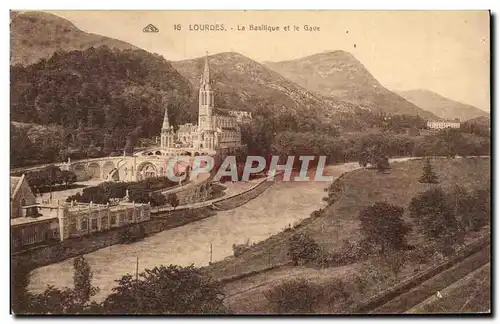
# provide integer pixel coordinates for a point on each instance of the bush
(239, 249)
(299, 296)
(473, 209)
(382, 225)
(293, 297)
(302, 248)
(435, 217)
(350, 252)
(166, 290)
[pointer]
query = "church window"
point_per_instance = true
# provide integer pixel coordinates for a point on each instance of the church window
(94, 223)
(113, 220)
(72, 227)
(84, 224)
(104, 221)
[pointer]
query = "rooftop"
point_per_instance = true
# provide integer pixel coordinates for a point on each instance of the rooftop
(27, 220)
(97, 207)
(14, 181)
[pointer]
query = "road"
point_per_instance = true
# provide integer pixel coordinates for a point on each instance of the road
(410, 299)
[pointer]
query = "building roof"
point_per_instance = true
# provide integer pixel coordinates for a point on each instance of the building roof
(31, 220)
(15, 183)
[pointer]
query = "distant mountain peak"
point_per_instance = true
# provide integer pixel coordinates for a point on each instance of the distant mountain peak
(441, 106)
(339, 74)
(36, 35)
(241, 83)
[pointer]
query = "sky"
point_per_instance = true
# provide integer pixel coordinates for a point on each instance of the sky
(447, 52)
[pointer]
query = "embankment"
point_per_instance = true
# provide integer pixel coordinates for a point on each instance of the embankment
(161, 221)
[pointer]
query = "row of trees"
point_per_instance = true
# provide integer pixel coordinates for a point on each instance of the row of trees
(158, 291)
(140, 192)
(50, 178)
(444, 217)
(346, 148)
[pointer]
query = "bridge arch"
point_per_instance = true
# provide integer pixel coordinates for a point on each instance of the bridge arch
(146, 170)
(80, 172)
(94, 170)
(107, 168)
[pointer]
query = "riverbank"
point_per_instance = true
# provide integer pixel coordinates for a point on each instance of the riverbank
(265, 264)
(162, 219)
(281, 204)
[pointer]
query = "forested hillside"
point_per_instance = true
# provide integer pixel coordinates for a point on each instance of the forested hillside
(100, 96)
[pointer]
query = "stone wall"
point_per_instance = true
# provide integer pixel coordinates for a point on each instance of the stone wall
(73, 247)
(60, 251)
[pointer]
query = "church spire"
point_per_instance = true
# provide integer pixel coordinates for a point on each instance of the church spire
(166, 124)
(205, 79)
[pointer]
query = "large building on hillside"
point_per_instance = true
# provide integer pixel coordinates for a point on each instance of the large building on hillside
(214, 131)
(33, 224)
(442, 124)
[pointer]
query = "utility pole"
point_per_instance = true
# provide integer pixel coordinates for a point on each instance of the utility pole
(210, 262)
(322, 246)
(137, 270)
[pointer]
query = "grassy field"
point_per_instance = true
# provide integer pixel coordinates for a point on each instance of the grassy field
(339, 221)
(361, 189)
(471, 294)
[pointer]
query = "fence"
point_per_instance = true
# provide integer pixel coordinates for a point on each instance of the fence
(412, 282)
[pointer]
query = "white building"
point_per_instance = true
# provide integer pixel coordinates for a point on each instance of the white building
(442, 125)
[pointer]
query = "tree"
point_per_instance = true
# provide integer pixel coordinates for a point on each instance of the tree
(166, 290)
(382, 163)
(68, 177)
(20, 277)
(382, 225)
(55, 300)
(158, 199)
(293, 297)
(82, 280)
(302, 248)
(173, 200)
(435, 217)
(471, 208)
(428, 175)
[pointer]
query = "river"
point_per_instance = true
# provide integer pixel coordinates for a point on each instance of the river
(282, 204)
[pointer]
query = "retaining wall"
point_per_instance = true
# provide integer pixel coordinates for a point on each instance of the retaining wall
(160, 220)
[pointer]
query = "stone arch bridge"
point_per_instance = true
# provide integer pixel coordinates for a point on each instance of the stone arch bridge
(124, 168)
(147, 163)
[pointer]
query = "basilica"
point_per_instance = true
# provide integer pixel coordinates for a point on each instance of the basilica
(214, 132)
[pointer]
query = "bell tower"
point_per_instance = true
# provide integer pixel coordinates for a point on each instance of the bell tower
(205, 108)
(167, 132)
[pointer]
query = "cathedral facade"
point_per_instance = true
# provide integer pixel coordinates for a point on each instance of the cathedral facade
(213, 132)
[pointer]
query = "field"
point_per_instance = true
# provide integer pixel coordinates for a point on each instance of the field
(469, 294)
(339, 221)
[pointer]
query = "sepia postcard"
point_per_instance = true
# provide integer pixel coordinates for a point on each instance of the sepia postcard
(250, 162)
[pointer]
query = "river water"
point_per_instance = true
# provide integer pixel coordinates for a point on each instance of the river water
(282, 204)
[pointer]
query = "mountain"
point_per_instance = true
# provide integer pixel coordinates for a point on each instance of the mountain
(38, 35)
(340, 75)
(441, 106)
(101, 89)
(243, 84)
